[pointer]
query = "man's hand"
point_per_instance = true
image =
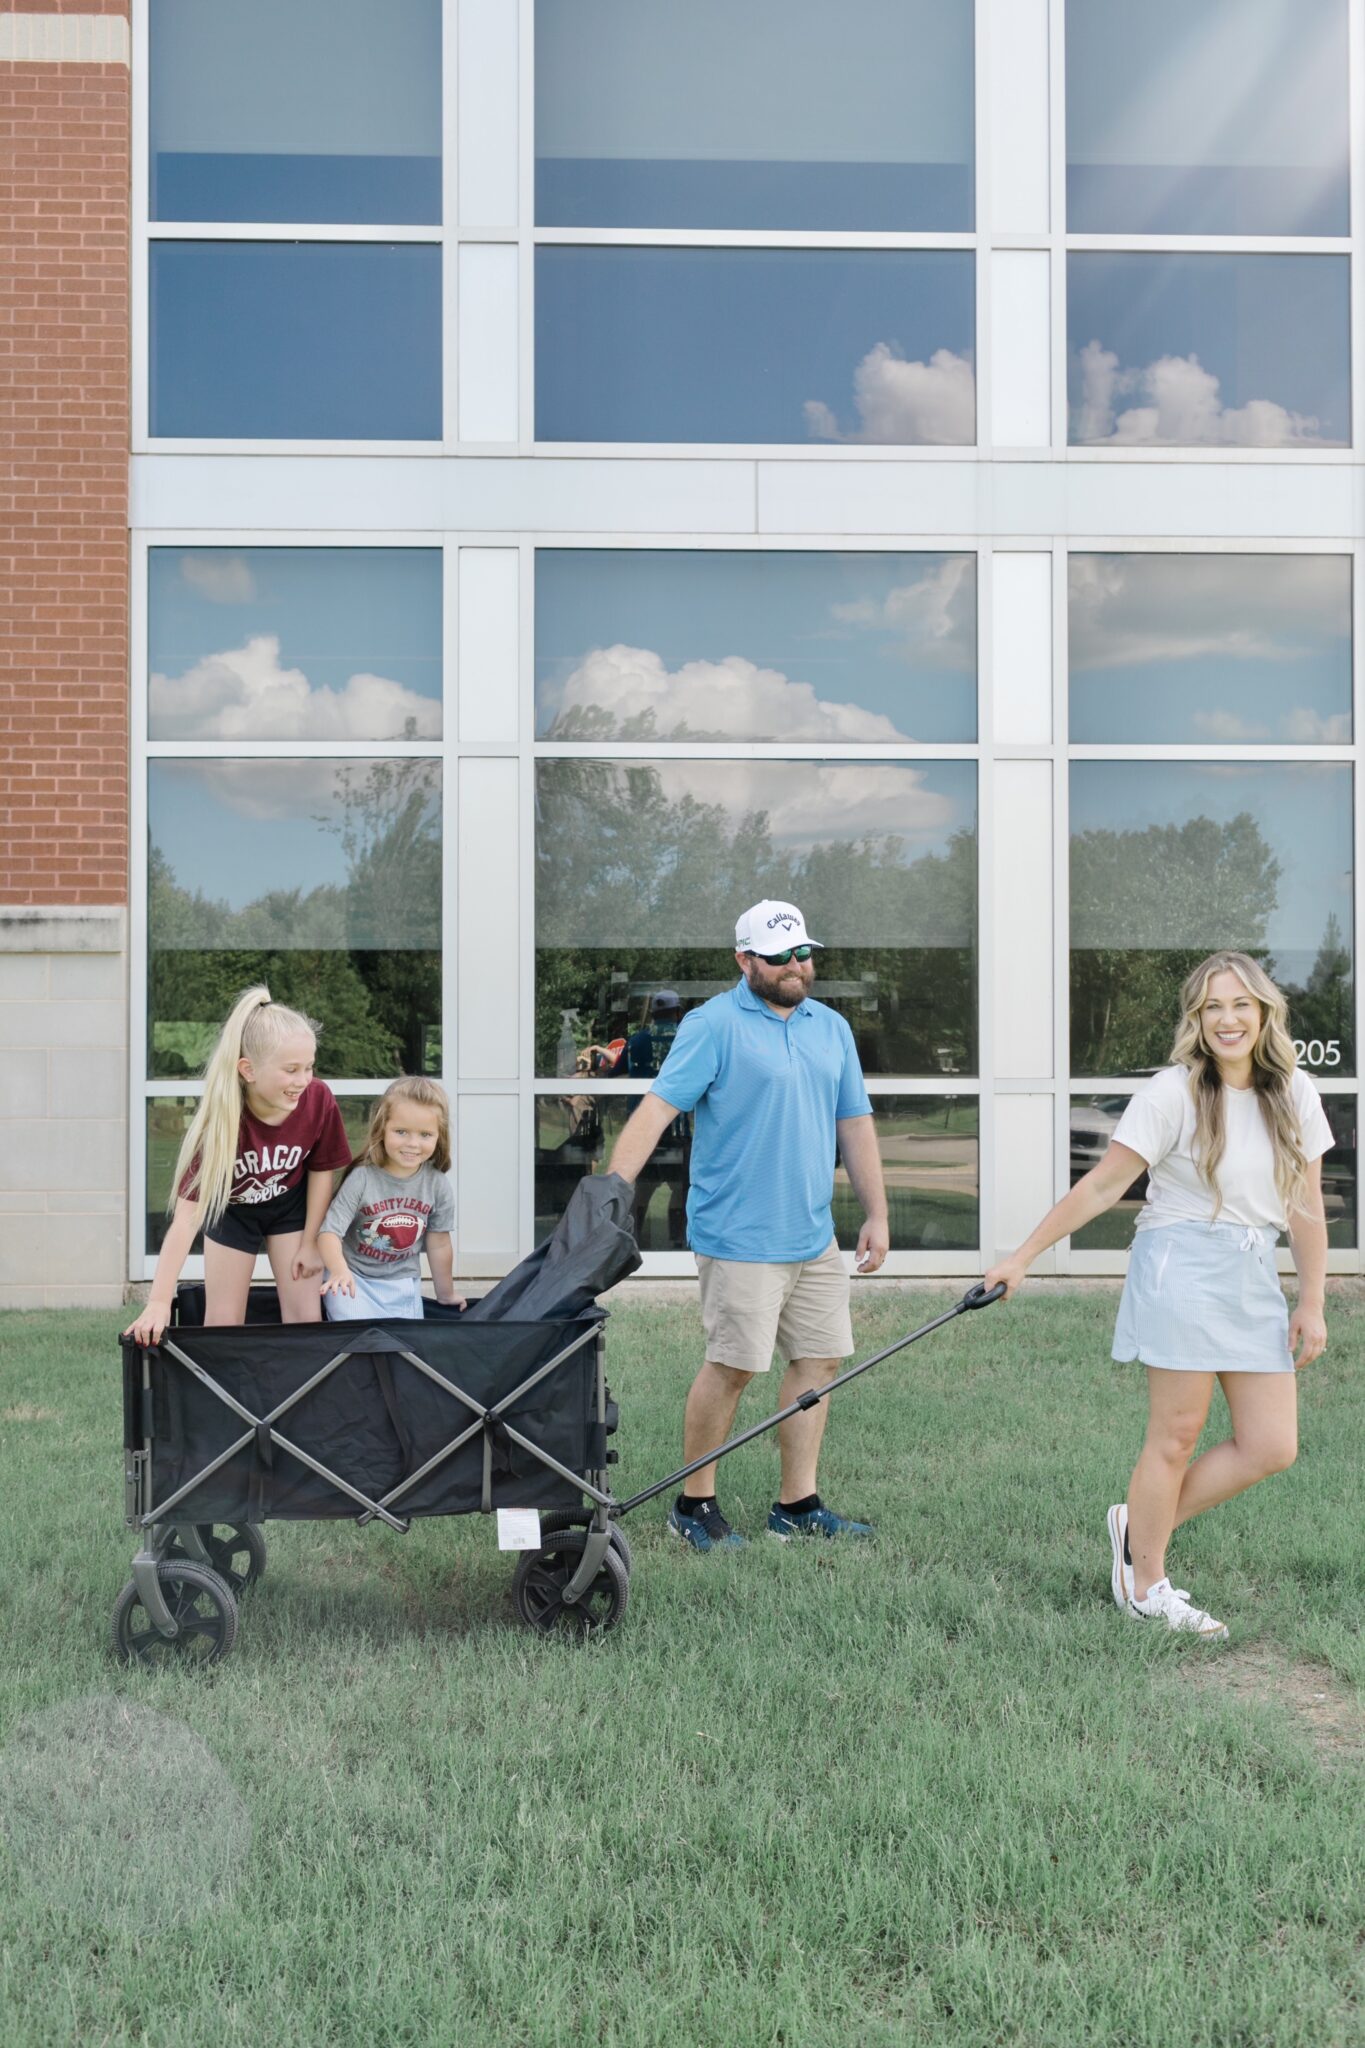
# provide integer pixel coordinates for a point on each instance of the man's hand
(1007, 1274)
(874, 1242)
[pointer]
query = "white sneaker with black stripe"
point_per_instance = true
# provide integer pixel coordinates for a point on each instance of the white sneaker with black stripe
(1172, 1604)
(1121, 1571)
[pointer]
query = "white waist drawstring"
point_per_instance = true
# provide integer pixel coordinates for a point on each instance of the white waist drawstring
(1251, 1238)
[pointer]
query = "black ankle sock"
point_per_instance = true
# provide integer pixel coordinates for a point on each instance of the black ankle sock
(800, 1507)
(688, 1503)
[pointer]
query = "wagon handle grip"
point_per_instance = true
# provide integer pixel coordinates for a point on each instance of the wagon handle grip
(982, 1296)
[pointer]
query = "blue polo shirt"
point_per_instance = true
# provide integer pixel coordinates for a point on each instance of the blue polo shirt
(767, 1091)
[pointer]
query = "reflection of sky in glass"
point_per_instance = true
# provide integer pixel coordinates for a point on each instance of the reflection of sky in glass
(294, 643)
(1227, 117)
(712, 115)
(1301, 809)
(754, 645)
(754, 345)
(296, 110)
(668, 852)
(1186, 350)
(237, 830)
(296, 340)
(1213, 649)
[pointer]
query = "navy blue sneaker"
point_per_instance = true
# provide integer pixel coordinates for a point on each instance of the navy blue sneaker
(706, 1530)
(821, 1521)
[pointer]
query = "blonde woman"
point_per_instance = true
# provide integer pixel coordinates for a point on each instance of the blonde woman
(255, 1170)
(1232, 1136)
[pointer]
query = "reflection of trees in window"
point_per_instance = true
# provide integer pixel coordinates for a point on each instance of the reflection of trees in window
(363, 955)
(1221, 879)
(638, 889)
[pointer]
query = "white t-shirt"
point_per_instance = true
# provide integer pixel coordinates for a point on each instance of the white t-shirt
(1159, 1124)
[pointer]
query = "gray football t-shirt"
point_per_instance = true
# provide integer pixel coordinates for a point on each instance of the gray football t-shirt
(381, 1220)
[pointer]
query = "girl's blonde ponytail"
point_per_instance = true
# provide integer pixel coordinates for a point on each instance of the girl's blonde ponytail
(208, 1154)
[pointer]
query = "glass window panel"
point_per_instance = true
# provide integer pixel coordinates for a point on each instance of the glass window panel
(1208, 350)
(279, 341)
(1224, 118)
(930, 1159)
(646, 644)
(1172, 860)
(296, 110)
(1093, 1120)
(321, 879)
(758, 116)
(795, 345)
(1210, 649)
(294, 643)
(168, 1119)
(643, 867)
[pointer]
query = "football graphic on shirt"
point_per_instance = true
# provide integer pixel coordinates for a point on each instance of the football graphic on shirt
(400, 1229)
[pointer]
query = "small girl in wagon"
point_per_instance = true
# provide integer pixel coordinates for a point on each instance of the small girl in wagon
(393, 1199)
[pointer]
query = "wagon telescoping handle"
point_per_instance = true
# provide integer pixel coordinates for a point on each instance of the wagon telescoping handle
(979, 1296)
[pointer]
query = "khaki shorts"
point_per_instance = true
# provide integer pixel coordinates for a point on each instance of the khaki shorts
(800, 1308)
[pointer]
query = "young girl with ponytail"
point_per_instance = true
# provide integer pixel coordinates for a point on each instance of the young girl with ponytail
(255, 1170)
(1232, 1136)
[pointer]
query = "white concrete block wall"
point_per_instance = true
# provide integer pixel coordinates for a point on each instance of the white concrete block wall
(63, 1106)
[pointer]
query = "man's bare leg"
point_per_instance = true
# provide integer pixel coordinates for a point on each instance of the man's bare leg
(708, 1419)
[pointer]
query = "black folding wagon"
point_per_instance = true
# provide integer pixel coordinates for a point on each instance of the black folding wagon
(504, 1406)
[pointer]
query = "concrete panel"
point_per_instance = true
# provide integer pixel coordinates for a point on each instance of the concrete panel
(488, 341)
(489, 639)
(87, 1202)
(47, 1250)
(869, 497)
(486, 122)
(1021, 967)
(82, 975)
(91, 1082)
(1021, 647)
(23, 1083)
(55, 1023)
(63, 1155)
(24, 976)
(1021, 362)
(487, 1156)
(1023, 1171)
(487, 929)
(1017, 109)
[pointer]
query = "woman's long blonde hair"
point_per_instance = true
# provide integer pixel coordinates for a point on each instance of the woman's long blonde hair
(424, 1094)
(1273, 1061)
(254, 1027)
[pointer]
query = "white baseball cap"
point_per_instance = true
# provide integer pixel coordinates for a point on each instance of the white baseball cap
(770, 927)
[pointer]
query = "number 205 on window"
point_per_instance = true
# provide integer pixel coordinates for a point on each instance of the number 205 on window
(1317, 1052)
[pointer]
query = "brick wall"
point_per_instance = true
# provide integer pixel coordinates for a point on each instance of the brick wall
(64, 432)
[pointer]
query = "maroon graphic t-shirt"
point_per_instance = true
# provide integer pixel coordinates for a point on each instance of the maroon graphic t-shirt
(272, 1158)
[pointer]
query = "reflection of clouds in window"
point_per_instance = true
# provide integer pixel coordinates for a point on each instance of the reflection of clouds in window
(1182, 408)
(809, 803)
(933, 403)
(933, 618)
(629, 693)
(220, 577)
(1128, 610)
(245, 693)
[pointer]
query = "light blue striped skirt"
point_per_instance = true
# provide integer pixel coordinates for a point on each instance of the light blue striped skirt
(1204, 1297)
(376, 1295)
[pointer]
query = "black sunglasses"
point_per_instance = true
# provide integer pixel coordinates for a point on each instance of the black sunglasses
(781, 959)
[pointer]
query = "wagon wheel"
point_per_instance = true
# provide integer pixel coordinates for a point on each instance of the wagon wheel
(236, 1552)
(542, 1575)
(560, 1518)
(202, 1606)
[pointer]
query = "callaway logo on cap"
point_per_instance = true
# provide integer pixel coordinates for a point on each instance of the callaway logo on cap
(770, 927)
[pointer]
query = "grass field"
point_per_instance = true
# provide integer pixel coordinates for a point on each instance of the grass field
(933, 1790)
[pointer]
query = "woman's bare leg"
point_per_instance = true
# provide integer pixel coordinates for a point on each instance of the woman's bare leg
(1264, 1407)
(1177, 1408)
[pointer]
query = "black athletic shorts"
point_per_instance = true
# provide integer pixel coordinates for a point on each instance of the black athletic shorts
(245, 1226)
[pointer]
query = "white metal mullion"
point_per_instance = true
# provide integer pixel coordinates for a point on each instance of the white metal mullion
(526, 229)
(1358, 815)
(1056, 129)
(136, 1251)
(450, 237)
(139, 308)
(752, 238)
(1061, 889)
(450, 856)
(288, 231)
(986, 1049)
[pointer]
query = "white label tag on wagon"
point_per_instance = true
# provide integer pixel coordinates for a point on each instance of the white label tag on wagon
(518, 1528)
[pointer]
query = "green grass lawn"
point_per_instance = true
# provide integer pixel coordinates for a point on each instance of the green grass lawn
(932, 1790)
